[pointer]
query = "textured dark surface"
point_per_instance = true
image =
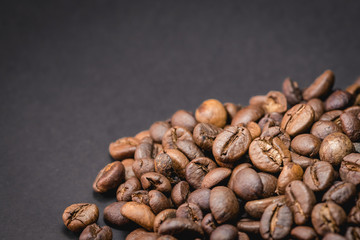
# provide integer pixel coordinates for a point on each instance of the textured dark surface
(76, 75)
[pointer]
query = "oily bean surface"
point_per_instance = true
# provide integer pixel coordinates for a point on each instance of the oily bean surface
(77, 216)
(197, 169)
(94, 231)
(109, 177)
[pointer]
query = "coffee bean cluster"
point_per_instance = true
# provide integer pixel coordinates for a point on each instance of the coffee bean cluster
(287, 166)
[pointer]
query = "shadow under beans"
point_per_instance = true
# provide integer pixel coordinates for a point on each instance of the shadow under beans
(69, 234)
(105, 197)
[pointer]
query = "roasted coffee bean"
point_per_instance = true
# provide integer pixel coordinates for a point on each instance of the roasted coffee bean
(141, 196)
(350, 168)
(355, 110)
(243, 236)
(321, 129)
(306, 145)
(354, 215)
(158, 201)
(231, 110)
(158, 129)
(337, 100)
(201, 197)
(335, 147)
(123, 148)
(251, 113)
(157, 181)
(211, 111)
(162, 216)
(166, 237)
(139, 213)
(269, 154)
(275, 102)
(217, 176)
(331, 116)
(109, 177)
(356, 146)
(248, 185)
(185, 119)
(225, 232)
(142, 134)
(205, 134)
(171, 164)
(340, 192)
(142, 166)
(208, 224)
(77, 216)
(196, 170)
(189, 148)
(298, 119)
(257, 100)
(303, 233)
(327, 217)
(276, 222)
(277, 132)
(128, 163)
(112, 214)
(269, 183)
(302, 161)
(94, 231)
(248, 226)
(223, 204)
(181, 228)
(256, 208)
(141, 233)
(146, 149)
(230, 145)
(318, 106)
(333, 236)
(273, 118)
(319, 176)
(321, 86)
(291, 91)
(350, 125)
(190, 211)
(301, 200)
(254, 129)
(126, 189)
(173, 135)
(180, 193)
(289, 173)
(237, 169)
(352, 233)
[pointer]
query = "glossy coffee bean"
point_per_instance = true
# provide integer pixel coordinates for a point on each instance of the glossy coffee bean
(173, 135)
(224, 232)
(217, 176)
(327, 217)
(269, 183)
(276, 222)
(331, 116)
(126, 189)
(350, 168)
(291, 91)
(139, 213)
(162, 216)
(319, 176)
(301, 200)
(303, 233)
(248, 185)
(146, 149)
(256, 208)
(185, 119)
(231, 110)
(142, 166)
(273, 118)
(251, 113)
(190, 211)
(112, 214)
(257, 100)
(211, 111)
(204, 135)
(181, 228)
(350, 125)
(237, 169)
(321, 129)
(275, 102)
(158, 129)
(157, 181)
(77, 216)
(109, 177)
(189, 148)
(248, 226)
(298, 119)
(276, 131)
(340, 193)
(289, 173)
(254, 129)
(94, 231)
(335, 147)
(128, 163)
(158, 201)
(338, 100)
(180, 193)
(352, 233)
(123, 148)
(321, 86)
(141, 196)
(200, 197)
(302, 161)
(269, 154)
(318, 106)
(208, 224)
(306, 145)
(223, 204)
(196, 170)
(142, 134)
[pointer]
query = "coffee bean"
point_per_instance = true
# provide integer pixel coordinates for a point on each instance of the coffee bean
(291, 91)
(123, 148)
(162, 216)
(350, 125)
(320, 87)
(275, 102)
(302, 161)
(142, 234)
(223, 204)
(298, 119)
(350, 168)
(126, 189)
(208, 224)
(303, 233)
(181, 228)
(157, 181)
(333, 236)
(327, 217)
(331, 116)
(146, 149)
(173, 135)
(276, 222)
(335, 147)
(94, 231)
(196, 170)
(109, 177)
(277, 132)
(319, 176)
(128, 163)
(269, 183)
(337, 100)
(141, 196)
(306, 145)
(273, 118)
(231, 110)
(158, 201)
(354, 214)
(237, 169)
(269, 154)
(321, 129)
(355, 110)
(180, 193)
(77, 216)
(318, 106)
(112, 214)
(166, 237)
(182, 118)
(248, 226)
(257, 100)
(289, 173)
(211, 111)
(217, 176)
(243, 236)
(352, 233)
(142, 166)
(251, 113)
(142, 134)
(201, 197)
(158, 129)
(230, 145)
(256, 208)
(189, 148)
(248, 185)
(139, 213)
(205, 134)
(225, 232)
(340, 192)
(301, 200)
(190, 211)
(254, 129)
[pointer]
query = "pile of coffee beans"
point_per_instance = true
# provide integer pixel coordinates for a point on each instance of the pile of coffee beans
(287, 166)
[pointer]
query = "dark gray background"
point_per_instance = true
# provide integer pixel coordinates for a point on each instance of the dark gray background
(76, 75)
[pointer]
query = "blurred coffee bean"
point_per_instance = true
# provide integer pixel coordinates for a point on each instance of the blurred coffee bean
(275, 102)
(337, 100)
(205, 134)
(302, 161)
(94, 231)
(142, 166)
(318, 106)
(320, 87)
(181, 228)
(157, 181)
(251, 113)
(190, 211)
(350, 125)
(225, 232)
(200, 197)
(109, 177)
(322, 128)
(158, 129)
(248, 185)
(289, 173)
(211, 111)
(303, 233)
(208, 224)
(291, 91)
(162, 217)
(126, 189)
(340, 192)
(123, 148)
(196, 170)
(185, 119)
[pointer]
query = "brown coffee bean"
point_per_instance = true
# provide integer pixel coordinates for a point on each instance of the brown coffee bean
(306, 145)
(139, 213)
(333, 236)
(142, 134)
(338, 100)
(231, 110)
(335, 147)
(136, 234)
(275, 102)
(158, 129)
(112, 214)
(231, 144)
(269, 154)
(158, 201)
(256, 208)
(211, 111)
(319, 176)
(354, 215)
(301, 200)
(146, 149)
(350, 168)
(162, 216)
(217, 176)
(302, 161)
(190, 149)
(320, 87)
(225, 232)
(181, 228)
(109, 177)
(340, 193)
(94, 231)
(201, 197)
(254, 129)
(289, 173)
(205, 134)
(291, 91)
(303, 233)
(77, 216)
(352, 233)
(185, 119)
(327, 217)
(237, 169)
(208, 224)
(248, 226)
(276, 222)
(142, 166)
(141, 196)
(223, 204)
(180, 193)
(318, 106)
(190, 211)
(321, 129)
(274, 119)
(157, 181)
(350, 125)
(196, 170)
(353, 109)
(251, 113)
(123, 148)
(298, 119)
(128, 163)
(126, 189)
(277, 132)
(257, 100)
(173, 135)
(269, 183)
(248, 185)
(331, 115)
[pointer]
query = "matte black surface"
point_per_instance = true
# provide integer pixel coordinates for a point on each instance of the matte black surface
(76, 75)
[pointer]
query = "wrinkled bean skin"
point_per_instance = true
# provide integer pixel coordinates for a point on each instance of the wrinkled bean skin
(352, 233)
(190, 211)
(196, 170)
(157, 181)
(275, 102)
(205, 134)
(291, 91)
(141, 196)
(126, 189)
(277, 132)
(95, 232)
(350, 168)
(223, 204)
(208, 224)
(320, 87)
(173, 135)
(335, 147)
(162, 216)
(109, 177)
(327, 217)
(77, 216)
(298, 119)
